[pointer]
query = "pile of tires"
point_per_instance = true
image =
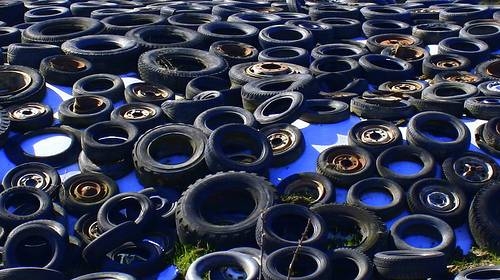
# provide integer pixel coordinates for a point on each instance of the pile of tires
(222, 86)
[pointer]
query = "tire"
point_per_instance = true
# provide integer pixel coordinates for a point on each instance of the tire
(288, 35)
(458, 76)
(345, 165)
(449, 107)
(101, 49)
(281, 108)
(9, 35)
(143, 116)
(483, 108)
(210, 262)
(449, 126)
(416, 264)
(478, 135)
(449, 91)
(491, 133)
(276, 265)
(324, 111)
(347, 218)
(380, 68)
(162, 36)
(176, 76)
(31, 272)
(186, 111)
(30, 116)
(17, 155)
(39, 206)
(440, 199)
(109, 216)
(406, 153)
(240, 74)
(46, 177)
(234, 138)
(489, 88)
(338, 50)
(343, 66)
(379, 42)
(206, 83)
(343, 28)
(223, 30)
(72, 195)
(30, 55)
(83, 111)
(475, 50)
(234, 52)
(481, 220)
(192, 20)
(256, 19)
(183, 8)
(382, 26)
(256, 92)
(316, 189)
(322, 33)
(471, 171)
(45, 13)
(420, 223)
(438, 63)
(293, 220)
(12, 12)
(115, 170)
(385, 12)
(25, 84)
(387, 211)
(378, 110)
(64, 28)
(150, 169)
(148, 93)
(164, 202)
(486, 32)
(350, 264)
(107, 85)
(287, 143)
(288, 54)
(471, 273)
(192, 226)
(86, 228)
(488, 69)
(375, 136)
(433, 33)
(462, 15)
(123, 23)
(412, 54)
(107, 12)
(65, 69)
(216, 117)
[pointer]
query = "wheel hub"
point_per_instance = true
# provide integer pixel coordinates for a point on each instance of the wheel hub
(376, 135)
(88, 191)
(137, 114)
(447, 63)
(347, 163)
(280, 141)
(27, 112)
(473, 169)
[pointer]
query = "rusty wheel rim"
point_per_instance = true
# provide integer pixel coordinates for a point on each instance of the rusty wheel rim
(462, 78)
(27, 112)
(473, 169)
(86, 105)
(404, 87)
(375, 135)
(138, 113)
(149, 91)
(32, 178)
(280, 141)
(302, 186)
(346, 163)
(13, 82)
(447, 63)
(235, 50)
(270, 69)
(402, 41)
(66, 64)
(88, 191)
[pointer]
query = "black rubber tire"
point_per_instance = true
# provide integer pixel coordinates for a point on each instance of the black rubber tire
(109, 215)
(438, 63)
(240, 74)
(472, 273)
(381, 68)
(372, 129)
(234, 52)
(343, 28)
(288, 54)
(175, 77)
(486, 32)
(293, 220)
(32, 90)
(123, 23)
(192, 20)
(379, 42)
(276, 265)
(143, 115)
(343, 66)
(80, 205)
(483, 108)
(449, 91)
(411, 54)
(115, 170)
(433, 33)
(338, 50)
(424, 224)
(363, 167)
(374, 184)
(406, 153)
(482, 222)
(206, 83)
(170, 9)
(419, 199)
(485, 147)
(289, 35)
(29, 54)
(367, 109)
(45, 13)
(470, 182)
(9, 35)
(101, 49)
(322, 33)
(491, 134)
(17, 155)
(461, 15)
(31, 272)
(310, 184)
(449, 107)
(489, 88)
(324, 111)
(385, 12)
(410, 264)
(151, 172)
(148, 93)
(293, 138)
(64, 28)
(350, 264)
(164, 202)
(93, 110)
(256, 92)
(12, 12)
(458, 76)
(371, 228)
(235, 138)
(107, 85)
(256, 19)
(223, 30)
(488, 70)
(216, 117)
(192, 226)
(382, 26)
(65, 69)
(46, 177)
(281, 108)
(186, 110)
(438, 124)
(30, 116)
(475, 50)
(39, 206)
(86, 228)
(163, 36)
(106, 12)
(211, 263)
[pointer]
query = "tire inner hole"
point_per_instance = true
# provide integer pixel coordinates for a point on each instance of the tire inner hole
(291, 227)
(346, 267)
(227, 205)
(439, 131)
(406, 167)
(180, 149)
(277, 107)
(283, 53)
(304, 265)
(421, 236)
(181, 63)
(343, 232)
(222, 119)
(378, 196)
(334, 66)
(97, 85)
(464, 46)
(228, 31)
(127, 209)
(286, 35)
(111, 136)
(162, 38)
(34, 246)
(241, 148)
(22, 204)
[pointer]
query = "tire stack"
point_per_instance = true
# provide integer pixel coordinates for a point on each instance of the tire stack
(227, 97)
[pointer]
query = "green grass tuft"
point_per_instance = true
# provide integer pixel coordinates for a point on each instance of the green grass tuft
(476, 257)
(302, 199)
(185, 255)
